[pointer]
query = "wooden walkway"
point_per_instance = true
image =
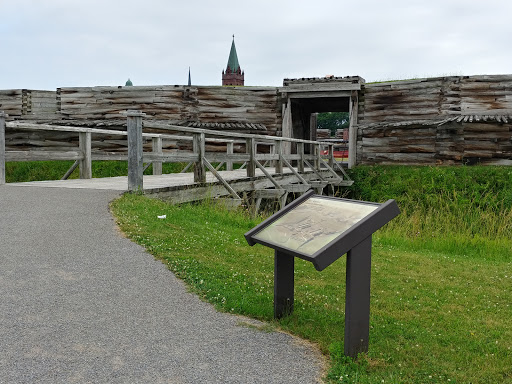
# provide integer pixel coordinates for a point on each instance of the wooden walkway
(181, 187)
(152, 183)
(274, 166)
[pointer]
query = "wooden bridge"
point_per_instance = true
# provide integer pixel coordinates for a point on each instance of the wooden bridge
(259, 165)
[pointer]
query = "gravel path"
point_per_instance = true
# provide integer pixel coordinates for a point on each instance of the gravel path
(81, 304)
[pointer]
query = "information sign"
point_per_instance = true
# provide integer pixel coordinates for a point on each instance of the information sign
(314, 224)
(321, 229)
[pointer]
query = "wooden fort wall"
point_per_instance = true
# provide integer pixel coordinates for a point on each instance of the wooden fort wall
(29, 104)
(434, 97)
(243, 109)
(444, 120)
(177, 104)
(437, 142)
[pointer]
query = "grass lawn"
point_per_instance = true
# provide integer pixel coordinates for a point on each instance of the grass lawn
(53, 170)
(441, 301)
(441, 298)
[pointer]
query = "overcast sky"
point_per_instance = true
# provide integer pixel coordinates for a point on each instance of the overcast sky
(47, 44)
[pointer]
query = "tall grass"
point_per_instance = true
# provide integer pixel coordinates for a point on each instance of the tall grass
(441, 289)
(449, 209)
(17, 172)
(441, 271)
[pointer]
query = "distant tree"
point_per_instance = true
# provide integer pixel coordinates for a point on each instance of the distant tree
(332, 121)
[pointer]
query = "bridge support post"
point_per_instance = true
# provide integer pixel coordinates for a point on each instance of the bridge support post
(352, 130)
(85, 163)
(300, 162)
(2, 147)
(157, 149)
(251, 150)
(279, 151)
(317, 152)
(135, 166)
(198, 145)
(230, 150)
(331, 155)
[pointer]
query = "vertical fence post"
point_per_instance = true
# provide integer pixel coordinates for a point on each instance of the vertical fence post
(229, 163)
(2, 147)
(300, 162)
(272, 151)
(157, 149)
(85, 163)
(317, 150)
(352, 130)
(331, 155)
(279, 151)
(198, 145)
(251, 150)
(135, 166)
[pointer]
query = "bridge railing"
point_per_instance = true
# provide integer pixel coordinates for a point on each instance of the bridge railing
(255, 151)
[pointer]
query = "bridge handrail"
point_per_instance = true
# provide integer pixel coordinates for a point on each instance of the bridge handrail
(157, 125)
(279, 154)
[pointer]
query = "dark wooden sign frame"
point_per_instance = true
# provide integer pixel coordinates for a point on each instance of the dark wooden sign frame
(355, 241)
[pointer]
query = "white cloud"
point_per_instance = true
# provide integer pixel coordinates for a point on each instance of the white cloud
(53, 43)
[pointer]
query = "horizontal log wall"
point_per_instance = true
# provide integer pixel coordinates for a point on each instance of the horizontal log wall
(40, 105)
(11, 102)
(253, 105)
(29, 104)
(434, 143)
(436, 97)
(237, 108)
(489, 95)
(381, 107)
(404, 122)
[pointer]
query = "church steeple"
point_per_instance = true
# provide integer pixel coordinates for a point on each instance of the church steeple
(233, 75)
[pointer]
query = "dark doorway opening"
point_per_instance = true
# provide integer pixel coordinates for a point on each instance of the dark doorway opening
(305, 108)
(304, 98)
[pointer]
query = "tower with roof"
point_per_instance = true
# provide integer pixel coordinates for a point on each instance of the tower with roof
(233, 75)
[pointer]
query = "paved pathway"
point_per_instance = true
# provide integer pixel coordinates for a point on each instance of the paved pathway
(81, 304)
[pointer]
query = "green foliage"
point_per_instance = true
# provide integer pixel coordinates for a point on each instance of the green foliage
(441, 270)
(333, 121)
(439, 305)
(471, 204)
(344, 369)
(17, 172)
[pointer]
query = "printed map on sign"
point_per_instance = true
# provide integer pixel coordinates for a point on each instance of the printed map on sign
(314, 224)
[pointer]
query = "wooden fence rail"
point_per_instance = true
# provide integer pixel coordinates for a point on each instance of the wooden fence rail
(2, 147)
(259, 151)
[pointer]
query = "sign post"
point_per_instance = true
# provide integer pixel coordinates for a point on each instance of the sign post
(321, 229)
(283, 284)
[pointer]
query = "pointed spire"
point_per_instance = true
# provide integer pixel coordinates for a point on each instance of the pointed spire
(233, 58)
(128, 83)
(233, 75)
(189, 80)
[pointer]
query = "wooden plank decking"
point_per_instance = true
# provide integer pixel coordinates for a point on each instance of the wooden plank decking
(180, 187)
(152, 183)
(268, 165)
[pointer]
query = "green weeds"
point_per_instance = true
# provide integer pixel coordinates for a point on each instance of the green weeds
(458, 210)
(441, 271)
(440, 305)
(17, 172)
